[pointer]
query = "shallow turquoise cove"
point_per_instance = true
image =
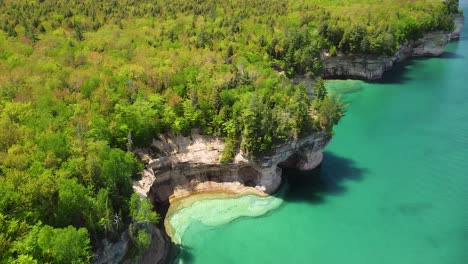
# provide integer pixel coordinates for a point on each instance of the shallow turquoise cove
(393, 187)
(213, 210)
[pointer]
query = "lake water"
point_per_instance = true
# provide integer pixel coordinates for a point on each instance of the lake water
(393, 187)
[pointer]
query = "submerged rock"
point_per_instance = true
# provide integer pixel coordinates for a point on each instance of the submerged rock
(214, 209)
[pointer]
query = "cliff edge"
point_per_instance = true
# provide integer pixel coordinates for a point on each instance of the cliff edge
(177, 167)
(185, 165)
(371, 67)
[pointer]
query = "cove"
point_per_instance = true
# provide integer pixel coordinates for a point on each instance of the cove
(393, 186)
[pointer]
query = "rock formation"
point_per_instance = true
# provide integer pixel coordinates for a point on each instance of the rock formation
(161, 249)
(191, 164)
(180, 166)
(370, 67)
(459, 21)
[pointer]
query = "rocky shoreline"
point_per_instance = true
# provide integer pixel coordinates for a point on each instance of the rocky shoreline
(178, 167)
(182, 166)
(371, 67)
(191, 164)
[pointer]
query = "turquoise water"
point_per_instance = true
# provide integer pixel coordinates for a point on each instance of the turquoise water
(393, 187)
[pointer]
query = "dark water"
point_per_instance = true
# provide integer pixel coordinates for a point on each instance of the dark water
(393, 187)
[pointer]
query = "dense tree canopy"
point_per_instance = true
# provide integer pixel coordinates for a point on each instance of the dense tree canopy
(82, 83)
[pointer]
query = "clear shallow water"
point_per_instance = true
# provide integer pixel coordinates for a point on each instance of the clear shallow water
(393, 187)
(213, 209)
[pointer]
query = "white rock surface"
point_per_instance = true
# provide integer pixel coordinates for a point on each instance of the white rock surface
(190, 164)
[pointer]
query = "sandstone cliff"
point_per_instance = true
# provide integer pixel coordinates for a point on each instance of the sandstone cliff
(191, 164)
(180, 166)
(370, 67)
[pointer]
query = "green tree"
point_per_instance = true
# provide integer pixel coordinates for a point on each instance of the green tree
(117, 171)
(330, 112)
(319, 90)
(74, 203)
(452, 5)
(142, 211)
(142, 240)
(143, 216)
(64, 245)
(79, 31)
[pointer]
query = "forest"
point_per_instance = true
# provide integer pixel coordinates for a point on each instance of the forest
(85, 82)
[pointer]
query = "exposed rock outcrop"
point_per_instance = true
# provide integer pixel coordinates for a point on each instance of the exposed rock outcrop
(112, 252)
(187, 165)
(459, 21)
(191, 164)
(161, 249)
(370, 67)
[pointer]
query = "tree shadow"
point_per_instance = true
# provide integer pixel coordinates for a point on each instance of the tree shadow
(398, 74)
(326, 180)
(451, 55)
(185, 255)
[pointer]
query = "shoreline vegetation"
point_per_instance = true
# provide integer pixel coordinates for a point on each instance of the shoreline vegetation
(83, 83)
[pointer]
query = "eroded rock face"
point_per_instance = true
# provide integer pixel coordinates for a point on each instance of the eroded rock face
(459, 21)
(186, 165)
(112, 252)
(161, 249)
(370, 67)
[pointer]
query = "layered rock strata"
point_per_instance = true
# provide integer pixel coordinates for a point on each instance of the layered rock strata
(191, 164)
(371, 67)
(178, 167)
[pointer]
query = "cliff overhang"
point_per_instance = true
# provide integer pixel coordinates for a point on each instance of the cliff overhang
(185, 165)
